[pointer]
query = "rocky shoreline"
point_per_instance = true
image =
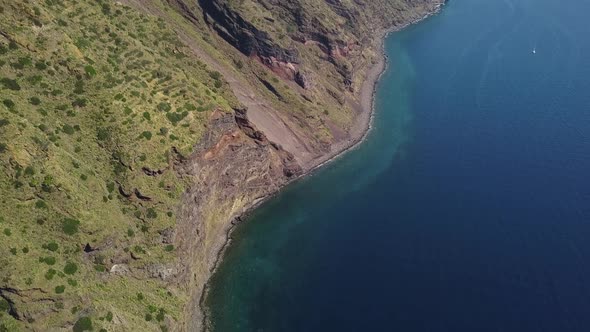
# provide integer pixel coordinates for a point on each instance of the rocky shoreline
(358, 133)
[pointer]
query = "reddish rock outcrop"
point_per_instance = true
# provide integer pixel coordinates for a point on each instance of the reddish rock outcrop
(233, 167)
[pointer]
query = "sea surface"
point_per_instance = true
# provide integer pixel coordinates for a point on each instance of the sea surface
(466, 209)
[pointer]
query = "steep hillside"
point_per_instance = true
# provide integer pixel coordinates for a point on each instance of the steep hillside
(132, 135)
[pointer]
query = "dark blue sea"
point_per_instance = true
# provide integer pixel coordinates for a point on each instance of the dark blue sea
(466, 209)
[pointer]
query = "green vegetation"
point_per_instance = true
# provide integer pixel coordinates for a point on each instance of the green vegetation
(8, 103)
(35, 101)
(90, 71)
(83, 97)
(70, 268)
(9, 83)
(60, 289)
(83, 324)
(52, 246)
(164, 107)
(4, 306)
(49, 260)
(50, 274)
(70, 226)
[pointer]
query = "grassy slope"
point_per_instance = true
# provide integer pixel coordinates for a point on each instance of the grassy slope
(91, 93)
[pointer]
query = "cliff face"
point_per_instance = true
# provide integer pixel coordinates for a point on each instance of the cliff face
(241, 34)
(340, 29)
(134, 135)
(233, 166)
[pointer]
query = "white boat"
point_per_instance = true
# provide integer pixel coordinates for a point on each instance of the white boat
(534, 50)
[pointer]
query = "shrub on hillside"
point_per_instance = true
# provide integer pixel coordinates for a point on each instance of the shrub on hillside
(164, 107)
(10, 84)
(68, 129)
(4, 305)
(103, 134)
(161, 315)
(29, 170)
(35, 101)
(49, 260)
(40, 204)
(215, 75)
(151, 213)
(70, 226)
(79, 102)
(83, 324)
(8, 103)
(90, 71)
(51, 246)
(41, 65)
(79, 87)
(147, 135)
(70, 268)
(176, 117)
(50, 274)
(4, 122)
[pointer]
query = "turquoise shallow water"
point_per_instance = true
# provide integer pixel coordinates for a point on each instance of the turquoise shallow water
(466, 209)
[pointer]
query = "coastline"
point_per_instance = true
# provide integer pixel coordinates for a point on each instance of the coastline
(364, 120)
(358, 133)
